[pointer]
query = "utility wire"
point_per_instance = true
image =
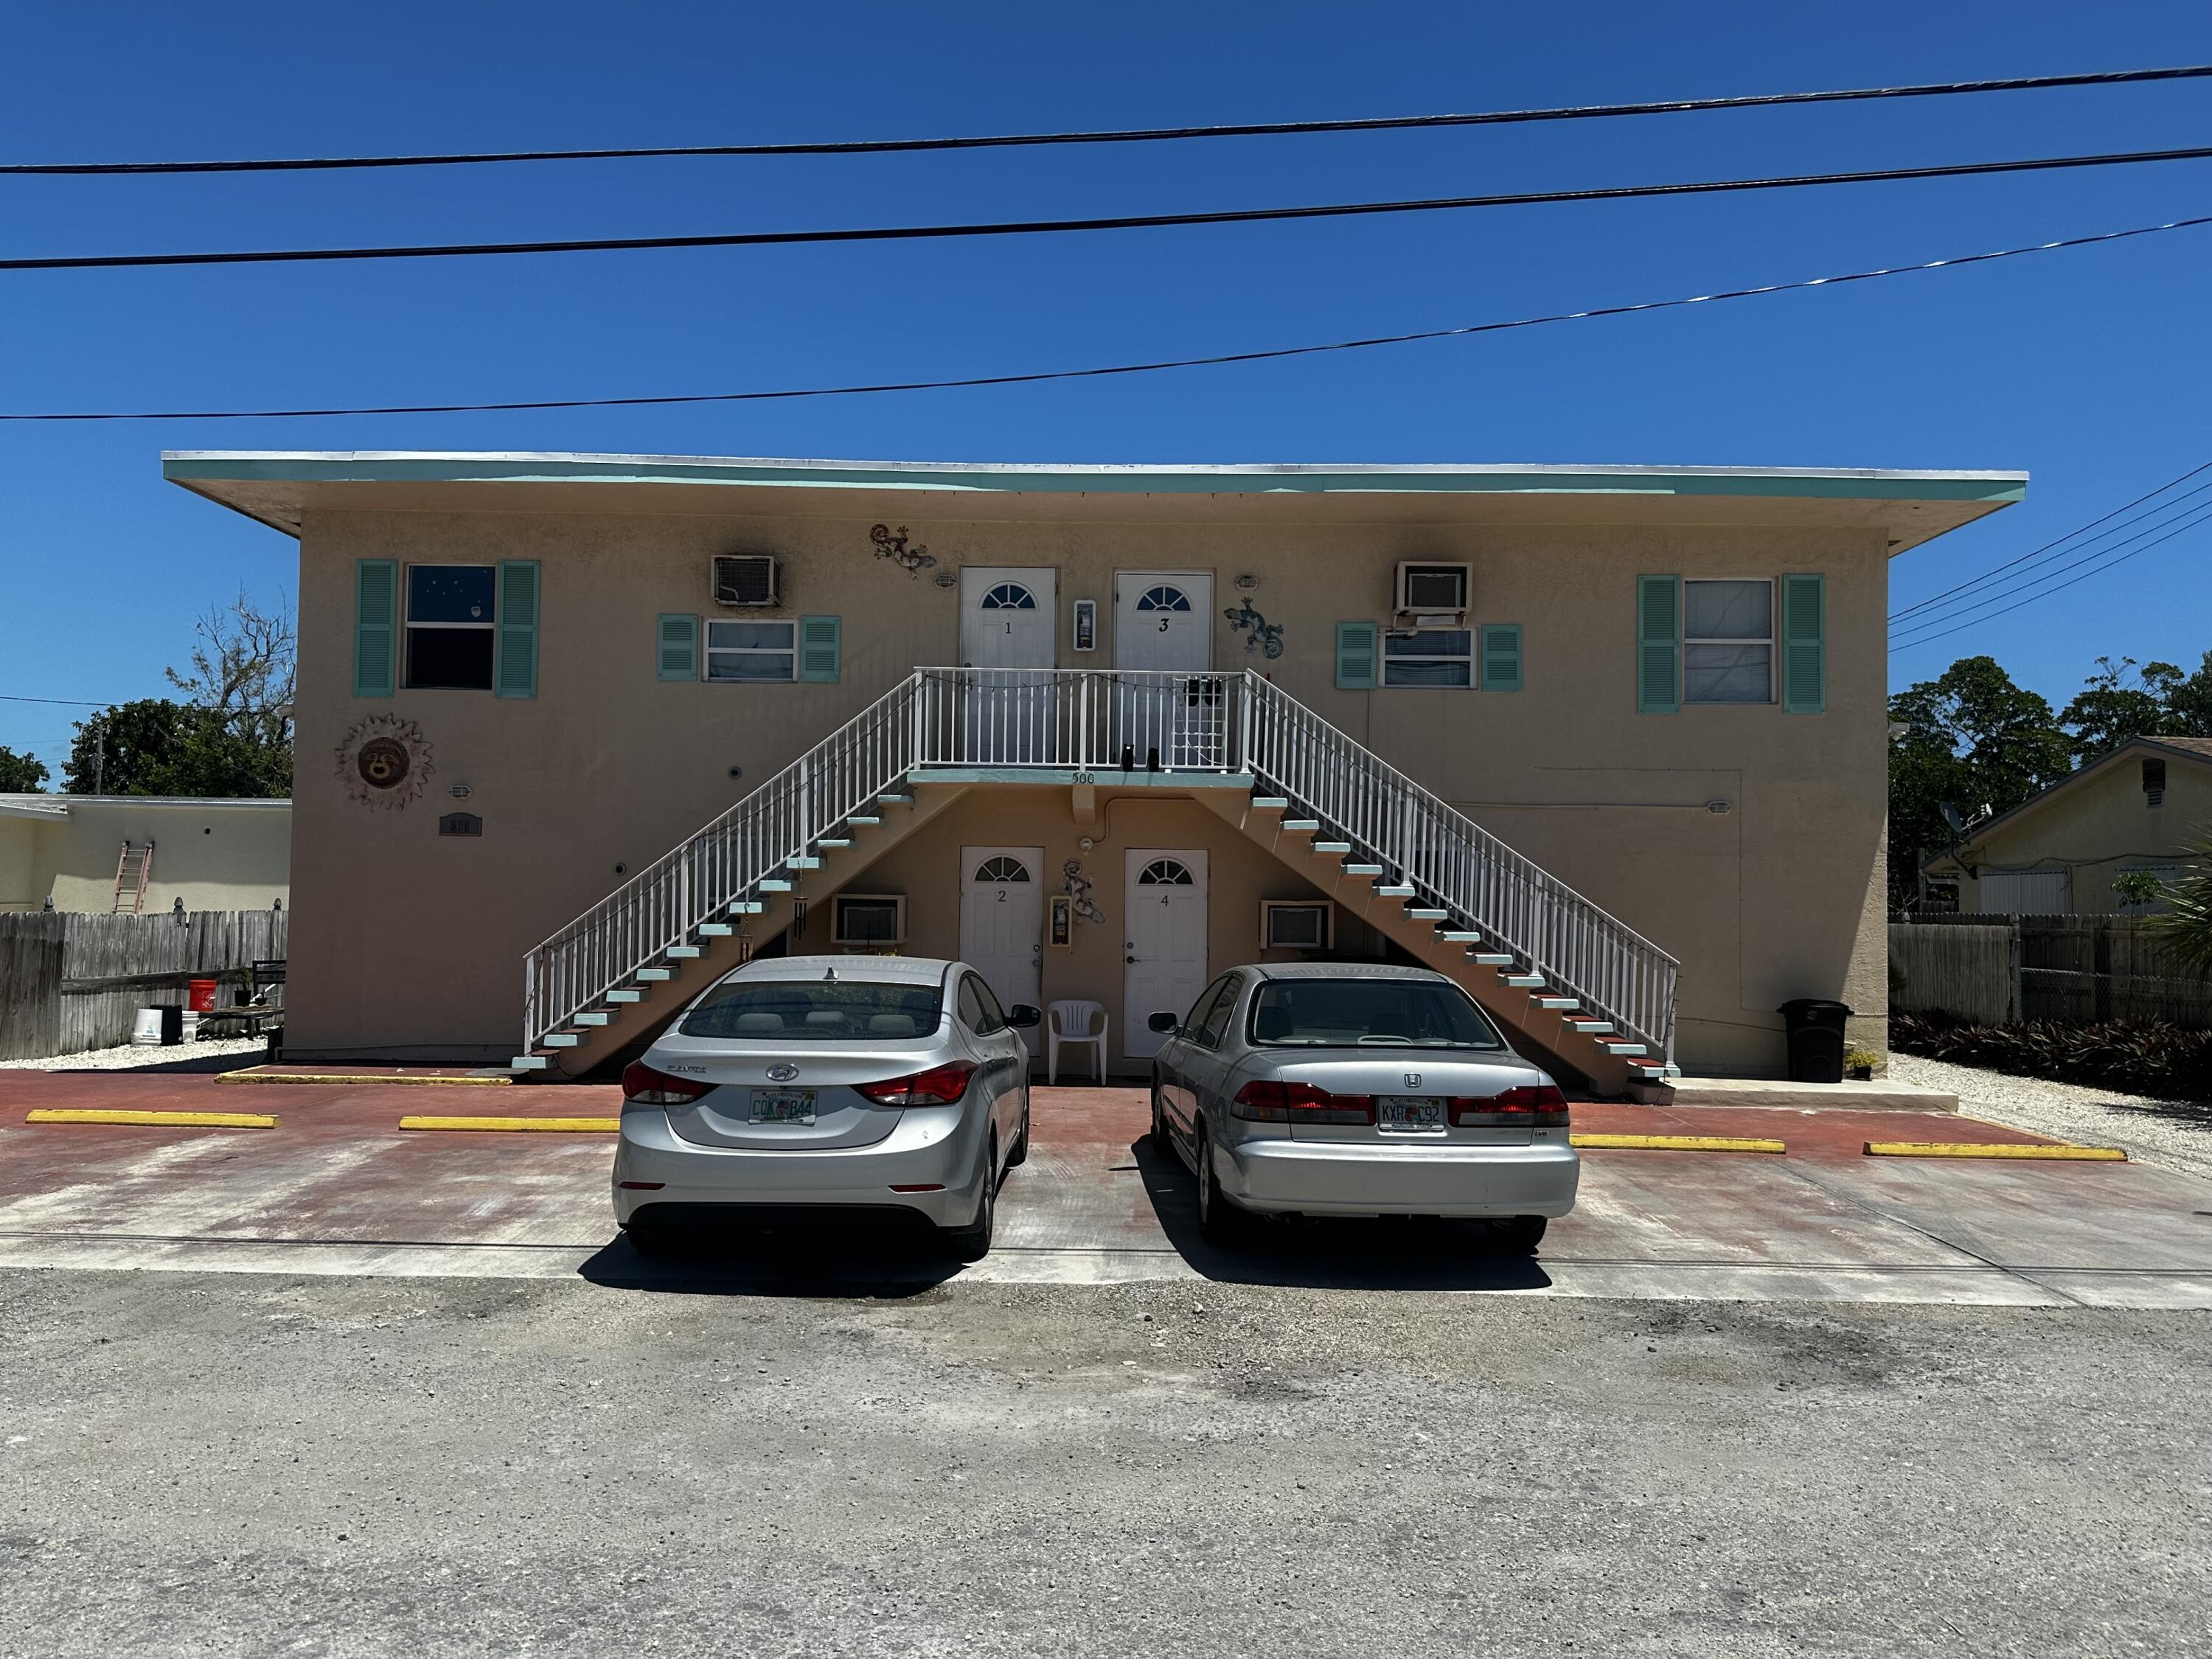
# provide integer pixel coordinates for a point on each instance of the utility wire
(1986, 589)
(1896, 617)
(1927, 639)
(1116, 222)
(2022, 584)
(1265, 355)
(1125, 136)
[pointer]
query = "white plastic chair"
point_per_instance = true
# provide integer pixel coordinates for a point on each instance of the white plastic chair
(1078, 1022)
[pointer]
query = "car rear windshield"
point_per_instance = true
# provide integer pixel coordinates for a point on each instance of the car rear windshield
(1342, 1013)
(816, 1011)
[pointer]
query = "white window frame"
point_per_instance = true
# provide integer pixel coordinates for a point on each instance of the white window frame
(409, 626)
(1772, 643)
(838, 934)
(1383, 651)
(709, 651)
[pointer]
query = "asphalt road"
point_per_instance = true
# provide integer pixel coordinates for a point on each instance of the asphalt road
(240, 1464)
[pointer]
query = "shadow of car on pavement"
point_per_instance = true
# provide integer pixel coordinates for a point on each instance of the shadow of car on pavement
(1391, 1254)
(827, 1260)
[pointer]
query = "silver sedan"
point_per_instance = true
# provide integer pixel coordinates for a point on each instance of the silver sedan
(822, 1086)
(1342, 1089)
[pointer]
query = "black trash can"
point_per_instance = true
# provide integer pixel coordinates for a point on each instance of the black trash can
(1815, 1030)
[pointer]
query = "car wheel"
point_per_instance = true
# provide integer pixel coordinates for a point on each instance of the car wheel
(973, 1242)
(1521, 1234)
(1219, 1218)
(1163, 1142)
(1020, 1153)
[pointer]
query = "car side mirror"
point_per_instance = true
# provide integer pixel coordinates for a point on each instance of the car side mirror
(1165, 1024)
(1021, 1017)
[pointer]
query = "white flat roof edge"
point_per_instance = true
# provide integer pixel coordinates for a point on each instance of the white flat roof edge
(60, 804)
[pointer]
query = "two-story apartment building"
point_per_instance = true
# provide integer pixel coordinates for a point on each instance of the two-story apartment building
(577, 732)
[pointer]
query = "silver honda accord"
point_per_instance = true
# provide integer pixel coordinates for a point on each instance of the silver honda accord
(875, 1086)
(1337, 1088)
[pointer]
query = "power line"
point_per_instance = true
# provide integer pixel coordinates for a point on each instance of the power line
(1927, 639)
(1035, 377)
(1981, 592)
(1124, 135)
(2023, 583)
(1116, 222)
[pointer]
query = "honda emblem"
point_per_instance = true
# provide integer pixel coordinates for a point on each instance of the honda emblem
(1413, 1079)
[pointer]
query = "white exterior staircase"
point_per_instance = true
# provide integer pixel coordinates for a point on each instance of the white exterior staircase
(1558, 972)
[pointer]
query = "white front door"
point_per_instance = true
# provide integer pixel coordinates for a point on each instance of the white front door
(1002, 922)
(1165, 903)
(1164, 634)
(1008, 619)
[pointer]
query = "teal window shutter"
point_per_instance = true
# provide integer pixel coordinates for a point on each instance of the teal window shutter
(1356, 646)
(1658, 645)
(375, 625)
(1501, 656)
(1804, 644)
(821, 646)
(514, 667)
(679, 647)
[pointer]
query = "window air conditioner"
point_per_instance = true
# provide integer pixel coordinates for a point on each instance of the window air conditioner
(1434, 595)
(744, 579)
(868, 920)
(1297, 925)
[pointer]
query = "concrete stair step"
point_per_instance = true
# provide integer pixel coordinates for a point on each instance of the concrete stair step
(564, 1040)
(1489, 958)
(802, 862)
(656, 976)
(595, 1019)
(830, 843)
(529, 1063)
(1623, 1047)
(715, 930)
(773, 885)
(1426, 912)
(625, 996)
(746, 907)
(1352, 869)
(1270, 804)
(864, 820)
(685, 952)
(1558, 1004)
(1459, 936)
(895, 799)
(1590, 1027)
(1522, 982)
(1332, 847)
(1394, 890)
(1301, 826)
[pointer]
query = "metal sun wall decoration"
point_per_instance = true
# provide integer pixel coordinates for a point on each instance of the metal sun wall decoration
(1079, 891)
(894, 548)
(1263, 635)
(385, 762)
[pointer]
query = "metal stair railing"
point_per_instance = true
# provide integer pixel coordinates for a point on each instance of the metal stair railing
(663, 905)
(1454, 864)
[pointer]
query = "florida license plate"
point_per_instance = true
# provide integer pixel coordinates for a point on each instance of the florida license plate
(783, 1106)
(1408, 1113)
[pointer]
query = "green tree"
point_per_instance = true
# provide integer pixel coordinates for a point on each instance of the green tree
(2119, 703)
(2188, 711)
(232, 736)
(1973, 739)
(21, 775)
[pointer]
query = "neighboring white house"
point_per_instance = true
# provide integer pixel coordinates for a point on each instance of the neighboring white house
(213, 854)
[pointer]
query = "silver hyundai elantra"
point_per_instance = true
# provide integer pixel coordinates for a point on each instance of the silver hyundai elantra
(1342, 1089)
(879, 1087)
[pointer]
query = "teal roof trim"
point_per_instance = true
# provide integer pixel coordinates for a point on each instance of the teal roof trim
(189, 467)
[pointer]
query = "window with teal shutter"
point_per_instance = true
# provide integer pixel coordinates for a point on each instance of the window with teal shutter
(375, 625)
(1355, 656)
(1804, 644)
(679, 641)
(1501, 656)
(514, 672)
(821, 646)
(1658, 645)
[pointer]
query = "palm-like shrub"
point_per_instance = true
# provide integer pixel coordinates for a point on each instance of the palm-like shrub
(2185, 929)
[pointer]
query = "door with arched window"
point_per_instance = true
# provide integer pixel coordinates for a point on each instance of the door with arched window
(1163, 637)
(1164, 958)
(1007, 635)
(1002, 922)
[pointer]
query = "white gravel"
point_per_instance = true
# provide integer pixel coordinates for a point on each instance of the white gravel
(2174, 1132)
(215, 1054)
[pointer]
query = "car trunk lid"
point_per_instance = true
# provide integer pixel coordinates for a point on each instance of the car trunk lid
(1411, 1090)
(773, 1097)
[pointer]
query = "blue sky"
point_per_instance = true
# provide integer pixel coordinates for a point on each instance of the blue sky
(2088, 368)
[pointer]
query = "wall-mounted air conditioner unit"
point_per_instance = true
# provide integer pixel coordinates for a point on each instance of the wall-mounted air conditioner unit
(1297, 924)
(744, 579)
(868, 920)
(1434, 595)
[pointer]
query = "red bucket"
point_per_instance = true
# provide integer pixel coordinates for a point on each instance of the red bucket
(202, 1000)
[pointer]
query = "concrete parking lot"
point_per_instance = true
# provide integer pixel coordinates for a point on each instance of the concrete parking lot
(338, 1188)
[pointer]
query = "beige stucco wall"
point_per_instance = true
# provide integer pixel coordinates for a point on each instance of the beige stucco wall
(408, 942)
(214, 855)
(2098, 827)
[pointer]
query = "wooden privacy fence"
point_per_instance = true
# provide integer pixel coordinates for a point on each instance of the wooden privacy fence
(2004, 970)
(71, 982)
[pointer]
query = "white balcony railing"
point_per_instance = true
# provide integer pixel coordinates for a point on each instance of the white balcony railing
(1001, 721)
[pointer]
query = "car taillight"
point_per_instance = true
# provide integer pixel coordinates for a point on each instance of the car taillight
(941, 1085)
(1264, 1101)
(643, 1086)
(1530, 1106)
